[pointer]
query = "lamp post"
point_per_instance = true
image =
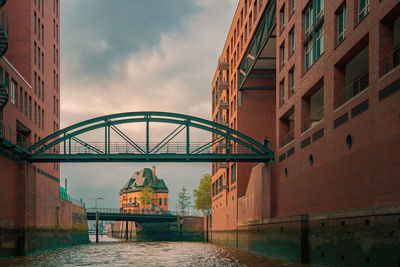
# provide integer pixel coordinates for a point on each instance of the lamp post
(97, 219)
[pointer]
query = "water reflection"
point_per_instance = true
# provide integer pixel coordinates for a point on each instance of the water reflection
(112, 252)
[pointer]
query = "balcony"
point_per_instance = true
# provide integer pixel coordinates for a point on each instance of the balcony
(391, 60)
(356, 87)
(221, 86)
(287, 138)
(313, 119)
(222, 65)
(223, 105)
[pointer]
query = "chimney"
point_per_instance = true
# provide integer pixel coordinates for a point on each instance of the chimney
(153, 171)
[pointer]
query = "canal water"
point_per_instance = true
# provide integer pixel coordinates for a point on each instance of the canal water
(113, 252)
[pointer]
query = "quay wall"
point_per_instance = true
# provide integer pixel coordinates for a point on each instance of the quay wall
(355, 236)
(32, 216)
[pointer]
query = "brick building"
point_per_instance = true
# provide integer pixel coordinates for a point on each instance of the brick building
(129, 196)
(29, 73)
(321, 82)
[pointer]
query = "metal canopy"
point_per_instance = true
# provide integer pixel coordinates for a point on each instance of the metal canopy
(68, 145)
(261, 53)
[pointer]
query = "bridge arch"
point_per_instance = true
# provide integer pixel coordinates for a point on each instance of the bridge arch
(230, 145)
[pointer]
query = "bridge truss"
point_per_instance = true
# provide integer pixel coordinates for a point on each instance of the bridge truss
(227, 145)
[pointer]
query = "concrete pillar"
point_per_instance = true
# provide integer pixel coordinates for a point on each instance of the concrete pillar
(126, 230)
(97, 227)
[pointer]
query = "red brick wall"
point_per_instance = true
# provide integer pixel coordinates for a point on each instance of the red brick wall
(340, 177)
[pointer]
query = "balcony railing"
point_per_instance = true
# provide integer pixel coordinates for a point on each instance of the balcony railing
(391, 60)
(356, 87)
(314, 118)
(223, 104)
(222, 85)
(287, 138)
(223, 65)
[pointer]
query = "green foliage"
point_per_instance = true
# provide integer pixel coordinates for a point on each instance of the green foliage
(146, 195)
(202, 195)
(183, 200)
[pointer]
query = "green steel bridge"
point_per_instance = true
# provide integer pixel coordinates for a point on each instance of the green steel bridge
(70, 144)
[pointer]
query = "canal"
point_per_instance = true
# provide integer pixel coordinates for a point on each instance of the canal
(113, 252)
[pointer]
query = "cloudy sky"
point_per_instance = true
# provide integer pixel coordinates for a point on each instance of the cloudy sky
(134, 55)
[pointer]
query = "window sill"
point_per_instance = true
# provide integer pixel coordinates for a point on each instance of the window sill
(305, 72)
(338, 44)
(359, 21)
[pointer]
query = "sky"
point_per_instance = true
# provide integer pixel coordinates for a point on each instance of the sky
(134, 55)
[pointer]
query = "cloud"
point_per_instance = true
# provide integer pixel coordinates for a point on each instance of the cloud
(171, 73)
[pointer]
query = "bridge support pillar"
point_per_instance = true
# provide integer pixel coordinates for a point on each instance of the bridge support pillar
(126, 230)
(97, 227)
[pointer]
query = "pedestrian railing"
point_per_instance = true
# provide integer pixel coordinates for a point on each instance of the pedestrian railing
(314, 118)
(391, 60)
(287, 138)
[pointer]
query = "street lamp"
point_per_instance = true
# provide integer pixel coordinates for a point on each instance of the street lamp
(95, 202)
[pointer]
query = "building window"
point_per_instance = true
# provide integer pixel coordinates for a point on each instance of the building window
(30, 108)
(291, 81)
(42, 62)
(308, 54)
(38, 28)
(250, 21)
(291, 7)
(255, 9)
(43, 119)
(282, 17)
(130, 200)
(42, 34)
(26, 104)
(38, 85)
(35, 82)
(308, 17)
(291, 40)
(282, 86)
(341, 24)
(38, 116)
(35, 113)
(363, 9)
(34, 52)
(34, 23)
(319, 48)
(14, 88)
(42, 90)
(160, 202)
(282, 54)
(38, 56)
(233, 173)
(165, 202)
(21, 95)
(314, 33)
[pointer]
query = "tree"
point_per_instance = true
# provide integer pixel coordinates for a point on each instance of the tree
(146, 195)
(202, 195)
(183, 200)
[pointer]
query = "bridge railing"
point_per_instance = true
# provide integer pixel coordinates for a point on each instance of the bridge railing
(73, 147)
(142, 211)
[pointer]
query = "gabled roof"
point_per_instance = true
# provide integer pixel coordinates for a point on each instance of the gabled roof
(144, 177)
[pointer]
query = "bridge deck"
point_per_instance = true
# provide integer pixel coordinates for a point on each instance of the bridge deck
(112, 216)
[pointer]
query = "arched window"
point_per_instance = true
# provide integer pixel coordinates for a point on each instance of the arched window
(160, 202)
(135, 200)
(130, 200)
(165, 201)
